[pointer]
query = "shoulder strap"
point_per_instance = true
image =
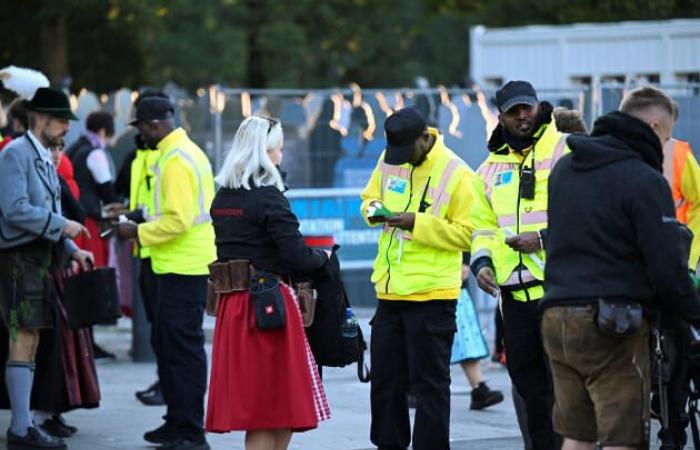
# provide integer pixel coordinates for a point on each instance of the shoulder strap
(363, 372)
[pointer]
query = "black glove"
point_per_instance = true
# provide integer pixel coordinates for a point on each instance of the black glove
(136, 216)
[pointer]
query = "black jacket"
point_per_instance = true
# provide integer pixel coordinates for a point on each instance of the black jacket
(259, 225)
(612, 228)
(91, 193)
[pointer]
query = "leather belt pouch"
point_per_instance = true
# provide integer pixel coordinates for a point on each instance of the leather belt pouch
(224, 278)
(618, 319)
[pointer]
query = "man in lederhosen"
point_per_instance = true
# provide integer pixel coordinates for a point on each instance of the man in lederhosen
(31, 229)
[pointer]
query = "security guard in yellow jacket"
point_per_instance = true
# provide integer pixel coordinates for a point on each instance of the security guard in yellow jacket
(142, 208)
(420, 193)
(180, 239)
(510, 221)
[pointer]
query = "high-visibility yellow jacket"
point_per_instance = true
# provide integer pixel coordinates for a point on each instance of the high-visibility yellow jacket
(683, 174)
(141, 187)
(425, 263)
(499, 212)
(181, 236)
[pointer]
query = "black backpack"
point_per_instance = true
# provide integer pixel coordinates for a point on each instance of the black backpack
(327, 343)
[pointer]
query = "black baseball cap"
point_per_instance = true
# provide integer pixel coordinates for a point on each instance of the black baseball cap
(515, 93)
(402, 129)
(153, 108)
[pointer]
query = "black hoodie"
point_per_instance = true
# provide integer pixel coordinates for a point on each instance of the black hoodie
(612, 229)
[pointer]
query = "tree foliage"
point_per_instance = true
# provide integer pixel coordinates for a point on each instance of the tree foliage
(107, 44)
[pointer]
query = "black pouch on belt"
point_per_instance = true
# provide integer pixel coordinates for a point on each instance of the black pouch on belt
(618, 319)
(268, 302)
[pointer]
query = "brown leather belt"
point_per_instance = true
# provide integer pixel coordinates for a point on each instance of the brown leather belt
(230, 276)
(234, 276)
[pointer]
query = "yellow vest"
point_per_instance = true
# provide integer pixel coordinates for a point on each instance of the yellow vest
(190, 252)
(499, 212)
(682, 171)
(141, 187)
(403, 266)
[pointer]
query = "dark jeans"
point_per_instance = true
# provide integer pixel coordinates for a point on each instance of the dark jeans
(182, 363)
(528, 369)
(410, 347)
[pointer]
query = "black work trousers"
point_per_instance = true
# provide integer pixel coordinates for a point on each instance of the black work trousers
(410, 347)
(148, 284)
(528, 368)
(182, 363)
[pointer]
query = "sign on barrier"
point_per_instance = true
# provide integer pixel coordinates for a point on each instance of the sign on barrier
(336, 212)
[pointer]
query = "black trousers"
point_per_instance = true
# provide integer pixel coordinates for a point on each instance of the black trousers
(182, 363)
(410, 347)
(528, 368)
(148, 284)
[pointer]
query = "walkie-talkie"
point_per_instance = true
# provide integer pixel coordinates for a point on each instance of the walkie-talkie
(527, 182)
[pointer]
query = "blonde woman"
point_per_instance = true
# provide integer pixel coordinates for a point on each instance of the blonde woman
(262, 381)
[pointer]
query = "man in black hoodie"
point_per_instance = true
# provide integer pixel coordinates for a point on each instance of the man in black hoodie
(613, 244)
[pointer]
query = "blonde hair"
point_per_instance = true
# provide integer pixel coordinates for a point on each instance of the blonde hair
(248, 159)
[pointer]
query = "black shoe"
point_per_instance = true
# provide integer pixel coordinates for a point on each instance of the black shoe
(154, 398)
(187, 443)
(164, 434)
(56, 427)
(483, 397)
(101, 353)
(59, 418)
(36, 438)
(155, 386)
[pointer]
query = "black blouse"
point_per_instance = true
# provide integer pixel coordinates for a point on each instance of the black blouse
(259, 225)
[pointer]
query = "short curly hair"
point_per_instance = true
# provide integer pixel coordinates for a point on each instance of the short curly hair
(569, 121)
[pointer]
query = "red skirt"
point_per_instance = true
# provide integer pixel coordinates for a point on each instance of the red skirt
(262, 380)
(95, 244)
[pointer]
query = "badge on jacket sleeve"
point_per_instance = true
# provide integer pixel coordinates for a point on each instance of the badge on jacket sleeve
(397, 184)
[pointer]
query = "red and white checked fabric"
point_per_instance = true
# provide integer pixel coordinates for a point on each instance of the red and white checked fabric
(323, 412)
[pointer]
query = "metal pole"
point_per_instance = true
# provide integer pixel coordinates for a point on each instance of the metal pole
(217, 128)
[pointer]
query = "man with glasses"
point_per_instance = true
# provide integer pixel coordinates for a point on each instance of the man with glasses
(180, 238)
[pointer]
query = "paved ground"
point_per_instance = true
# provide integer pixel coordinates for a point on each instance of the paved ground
(121, 420)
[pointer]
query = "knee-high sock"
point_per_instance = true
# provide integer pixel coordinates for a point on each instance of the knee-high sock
(18, 376)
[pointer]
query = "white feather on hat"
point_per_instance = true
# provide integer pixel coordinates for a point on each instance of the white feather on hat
(24, 82)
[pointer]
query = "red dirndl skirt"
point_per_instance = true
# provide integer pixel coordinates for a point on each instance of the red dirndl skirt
(95, 244)
(262, 380)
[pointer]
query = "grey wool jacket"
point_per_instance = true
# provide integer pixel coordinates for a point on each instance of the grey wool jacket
(30, 197)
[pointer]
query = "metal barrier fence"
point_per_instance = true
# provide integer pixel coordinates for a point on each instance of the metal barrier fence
(333, 138)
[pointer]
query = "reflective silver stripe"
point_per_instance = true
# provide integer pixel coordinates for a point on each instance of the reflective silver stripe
(515, 278)
(480, 253)
(439, 195)
(559, 149)
(527, 218)
(486, 233)
(203, 216)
